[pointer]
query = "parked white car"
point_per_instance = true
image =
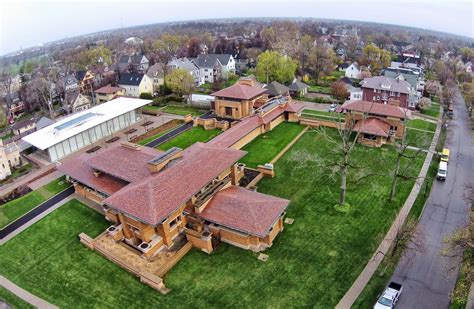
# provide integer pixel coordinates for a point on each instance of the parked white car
(389, 297)
(442, 170)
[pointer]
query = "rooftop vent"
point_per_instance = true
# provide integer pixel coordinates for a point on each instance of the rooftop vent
(130, 145)
(159, 162)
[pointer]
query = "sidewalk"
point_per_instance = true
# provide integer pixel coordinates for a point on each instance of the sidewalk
(359, 284)
(45, 180)
(25, 295)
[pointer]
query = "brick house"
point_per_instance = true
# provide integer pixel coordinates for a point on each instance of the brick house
(239, 100)
(377, 124)
(386, 90)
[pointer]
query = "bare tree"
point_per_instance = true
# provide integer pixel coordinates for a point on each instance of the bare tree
(6, 85)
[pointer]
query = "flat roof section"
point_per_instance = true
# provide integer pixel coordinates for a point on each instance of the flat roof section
(82, 121)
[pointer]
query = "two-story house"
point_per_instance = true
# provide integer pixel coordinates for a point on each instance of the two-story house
(386, 90)
(136, 63)
(157, 73)
(377, 124)
(188, 65)
(353, 71)
(85, 81)
(9, 158)
(239, 100)
(135, 84)
(107, 93)
(209, 66)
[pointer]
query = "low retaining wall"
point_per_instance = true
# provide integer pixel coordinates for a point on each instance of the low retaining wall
(318, 122)
(175, 259)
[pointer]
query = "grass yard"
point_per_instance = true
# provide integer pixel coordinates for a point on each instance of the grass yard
(320, 89)
(183, 110)
(13, 300)
(14, 209)
(417, 138)
(265, 147)
(422, 125)
(189, 137)
(312, 263)
(432, 111)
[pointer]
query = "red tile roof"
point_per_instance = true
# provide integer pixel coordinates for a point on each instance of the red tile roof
(77, 169)
(376, 108)
(108, 89)
(250, 123)
(154, 198)
(372, 126)
(240, 91)
(124, 163)
(244, 210)
(294, 107)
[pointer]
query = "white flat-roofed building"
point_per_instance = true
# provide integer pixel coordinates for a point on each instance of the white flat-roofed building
(84, 128)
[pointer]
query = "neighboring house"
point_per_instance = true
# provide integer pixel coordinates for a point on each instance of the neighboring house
(386, 90)
(355, 93)
(107, 93)
(157, 73)
(135, 84)
(9, 158)
(238, 101)
(411, 77)
(24, 127)
(242, 65)
(133, 63)
(210, 67)
(85, 81)
(353, 71)
(188, 65)
(468, 67)
(298, 89)
(140, 63)
(343, 67)
(71, 83)
(275, 89)
(409, 57)
(78, 102)
(15, 103)
(227, 61)
(377, 124)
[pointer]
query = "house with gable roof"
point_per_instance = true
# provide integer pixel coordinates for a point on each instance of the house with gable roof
(386, 90)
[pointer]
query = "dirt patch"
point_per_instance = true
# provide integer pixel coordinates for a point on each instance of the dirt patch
(167, 126)
(16, 193)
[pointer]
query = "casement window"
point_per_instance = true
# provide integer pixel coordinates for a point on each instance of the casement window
(392, 93)
(398, 94)
(375, 90)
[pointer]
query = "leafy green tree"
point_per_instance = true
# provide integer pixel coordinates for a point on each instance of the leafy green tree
(168, 45)
(92, 56)
(376, 58)
(273, 66)
(180, 81)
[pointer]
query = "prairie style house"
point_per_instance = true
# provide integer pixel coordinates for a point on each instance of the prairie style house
(160, 203)
(239, 100)
(376, 123)
(153, 199)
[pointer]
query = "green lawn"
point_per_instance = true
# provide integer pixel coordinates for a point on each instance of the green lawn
(14, 209)
(183, 110)
(312, 262)
(189, 137)
(13, 300)
(418, 138)
(265, 147)
(421, 124)
(432, 111)
(320, 89)
(338, 74)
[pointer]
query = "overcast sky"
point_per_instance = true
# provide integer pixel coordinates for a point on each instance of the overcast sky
(28, 23)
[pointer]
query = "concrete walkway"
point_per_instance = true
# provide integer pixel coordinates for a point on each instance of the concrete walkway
(25, 180)
(25, 295)
(359, 284)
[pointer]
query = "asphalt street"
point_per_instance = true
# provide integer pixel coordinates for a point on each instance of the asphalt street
(426, 281)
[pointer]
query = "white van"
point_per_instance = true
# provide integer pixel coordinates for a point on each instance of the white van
(442, 170)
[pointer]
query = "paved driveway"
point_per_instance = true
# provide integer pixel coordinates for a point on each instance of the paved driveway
(424, 277)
